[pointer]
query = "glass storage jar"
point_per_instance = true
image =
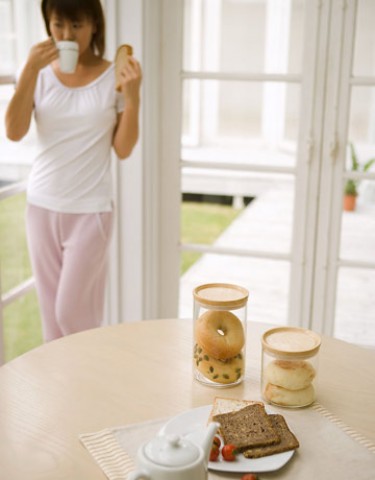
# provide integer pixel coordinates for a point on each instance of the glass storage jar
(219, 334)
(289, 366)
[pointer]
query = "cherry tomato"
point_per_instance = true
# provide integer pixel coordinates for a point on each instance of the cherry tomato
(249, 476)
(214, 454)
(229, 452)
(217, 441)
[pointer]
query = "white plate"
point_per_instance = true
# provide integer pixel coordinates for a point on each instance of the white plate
(188, 422)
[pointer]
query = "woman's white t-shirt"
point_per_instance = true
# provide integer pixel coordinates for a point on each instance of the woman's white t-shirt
(72, 170)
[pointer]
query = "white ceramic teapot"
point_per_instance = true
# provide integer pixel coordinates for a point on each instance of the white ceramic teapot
(171, 457)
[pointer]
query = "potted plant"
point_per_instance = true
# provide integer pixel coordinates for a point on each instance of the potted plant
(351, 185)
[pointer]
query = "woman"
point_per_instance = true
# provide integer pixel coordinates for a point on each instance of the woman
(79, 118)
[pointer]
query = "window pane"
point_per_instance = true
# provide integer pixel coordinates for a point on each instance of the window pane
(264, 225)
(266, 280)
(358, 226)
(355, 306)
(364, 47)
(203, 219)
(244, 35)
(7, 39)
(360, 154)
(15, 265)
(22, 328)
(15, 157)
(362, 122)
(259, 118)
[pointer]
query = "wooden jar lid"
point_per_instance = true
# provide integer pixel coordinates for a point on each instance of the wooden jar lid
(291, 342)
(221, 296)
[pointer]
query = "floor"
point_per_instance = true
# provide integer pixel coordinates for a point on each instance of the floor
(266, 225)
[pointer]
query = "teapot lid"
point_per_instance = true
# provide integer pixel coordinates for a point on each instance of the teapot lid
(171, 451)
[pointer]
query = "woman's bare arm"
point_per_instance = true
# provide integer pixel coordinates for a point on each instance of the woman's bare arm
(127, 129)
(20, 108)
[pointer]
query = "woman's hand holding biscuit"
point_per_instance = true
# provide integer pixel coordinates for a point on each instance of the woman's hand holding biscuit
(130, 79)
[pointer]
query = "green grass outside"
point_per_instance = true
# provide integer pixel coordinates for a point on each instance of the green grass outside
(22, 330)
(200, 223)
(15, 265)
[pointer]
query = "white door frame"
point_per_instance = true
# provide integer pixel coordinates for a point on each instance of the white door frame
(309, 164)
(125, 287)
(170, 194)
(142, 182)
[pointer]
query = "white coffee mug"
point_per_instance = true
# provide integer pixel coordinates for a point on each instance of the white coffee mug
(68, 55)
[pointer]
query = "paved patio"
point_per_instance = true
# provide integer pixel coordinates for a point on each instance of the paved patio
(266, 224)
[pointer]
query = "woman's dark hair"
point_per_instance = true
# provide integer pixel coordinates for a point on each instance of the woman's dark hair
(75, 10)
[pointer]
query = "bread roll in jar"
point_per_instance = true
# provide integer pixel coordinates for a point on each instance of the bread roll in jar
(290, 374)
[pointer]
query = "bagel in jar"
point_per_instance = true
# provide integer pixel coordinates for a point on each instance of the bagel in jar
(220, 333)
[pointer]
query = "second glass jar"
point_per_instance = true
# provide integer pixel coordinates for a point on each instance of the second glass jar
(289, 366)
(220, 311)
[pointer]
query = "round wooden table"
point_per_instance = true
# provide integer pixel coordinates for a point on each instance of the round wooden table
(134, 372)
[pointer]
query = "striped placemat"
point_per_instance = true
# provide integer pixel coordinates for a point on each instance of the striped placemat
(328, 448)
(108, 453)
(348, 430)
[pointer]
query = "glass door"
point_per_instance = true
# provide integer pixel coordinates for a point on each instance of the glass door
(243, 99)
(266, 104)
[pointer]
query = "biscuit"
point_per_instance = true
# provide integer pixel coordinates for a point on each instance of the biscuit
(121, 59)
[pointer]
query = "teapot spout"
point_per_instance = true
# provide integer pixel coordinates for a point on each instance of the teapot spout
(208, 438)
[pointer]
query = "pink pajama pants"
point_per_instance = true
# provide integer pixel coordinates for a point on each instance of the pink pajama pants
(69, 257)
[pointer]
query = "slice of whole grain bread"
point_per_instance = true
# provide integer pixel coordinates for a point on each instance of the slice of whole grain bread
(288, 441)
(248, 427)
(225, 405)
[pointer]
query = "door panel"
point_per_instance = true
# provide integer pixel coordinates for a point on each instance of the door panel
(252, 122)
(241, 109)
(342, 249)
(354, 314)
